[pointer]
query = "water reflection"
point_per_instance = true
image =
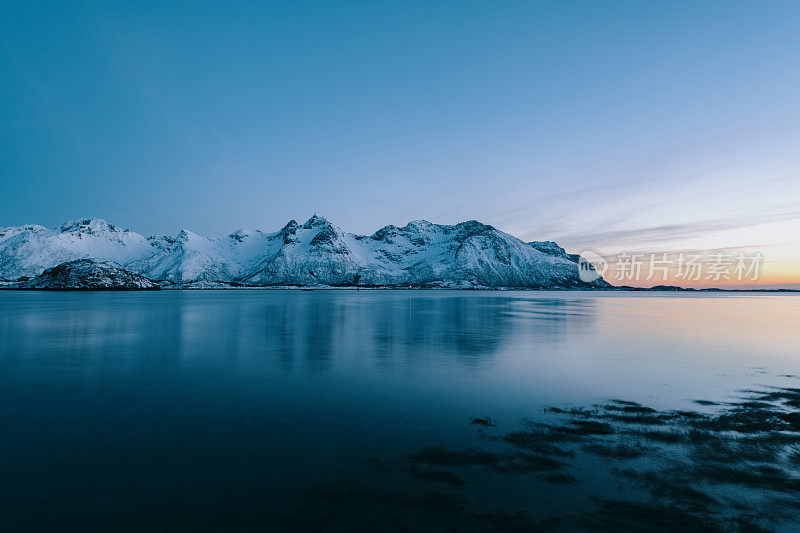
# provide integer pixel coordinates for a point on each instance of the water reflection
(295, 331)
(238, 403)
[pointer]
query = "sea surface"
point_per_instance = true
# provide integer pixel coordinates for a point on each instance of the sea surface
(345, 410)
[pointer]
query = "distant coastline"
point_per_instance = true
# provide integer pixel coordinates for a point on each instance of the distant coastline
(10, 286)
(92, 254)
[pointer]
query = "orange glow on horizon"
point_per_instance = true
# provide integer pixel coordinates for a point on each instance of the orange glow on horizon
(773, 275)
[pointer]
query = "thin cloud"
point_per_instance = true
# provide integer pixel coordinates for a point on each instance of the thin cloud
(673, 232)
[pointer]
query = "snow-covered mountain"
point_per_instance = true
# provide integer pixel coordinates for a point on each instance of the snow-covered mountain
(28, 250)
(469, 254)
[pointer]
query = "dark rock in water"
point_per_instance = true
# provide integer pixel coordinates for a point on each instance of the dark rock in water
(484, 421)
(668, 288)
(86, 274)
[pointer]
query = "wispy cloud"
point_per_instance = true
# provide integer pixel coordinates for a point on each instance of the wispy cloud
(672, 232)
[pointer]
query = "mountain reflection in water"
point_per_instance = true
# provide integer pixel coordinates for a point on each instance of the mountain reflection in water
(342, 410)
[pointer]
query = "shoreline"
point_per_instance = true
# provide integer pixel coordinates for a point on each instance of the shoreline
(353, 288)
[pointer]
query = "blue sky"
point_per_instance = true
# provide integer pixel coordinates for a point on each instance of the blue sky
(655, 126)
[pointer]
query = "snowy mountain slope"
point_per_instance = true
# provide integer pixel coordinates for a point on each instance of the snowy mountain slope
(551, 248)
(28, 250)
(469, 254)
(316, 253)
(187, 257)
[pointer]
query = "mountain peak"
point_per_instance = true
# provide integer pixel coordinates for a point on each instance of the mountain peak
(185, 236)
(420, 222)
(314, 222)
(289, 227)
(86, 225)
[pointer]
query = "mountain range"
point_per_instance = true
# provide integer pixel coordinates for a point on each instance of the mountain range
(316, 253)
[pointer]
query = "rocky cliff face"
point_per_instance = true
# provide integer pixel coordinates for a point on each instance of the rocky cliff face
(86, 274)
(469, 254)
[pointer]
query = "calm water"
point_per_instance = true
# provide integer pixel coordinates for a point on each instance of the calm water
(297, 409)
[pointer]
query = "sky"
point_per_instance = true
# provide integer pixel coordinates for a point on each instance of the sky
(609, 126)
